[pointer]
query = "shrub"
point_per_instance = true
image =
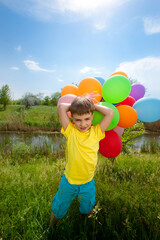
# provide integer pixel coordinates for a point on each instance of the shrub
(130, 134)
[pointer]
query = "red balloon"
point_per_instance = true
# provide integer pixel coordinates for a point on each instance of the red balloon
(111, 145)
(128, 101)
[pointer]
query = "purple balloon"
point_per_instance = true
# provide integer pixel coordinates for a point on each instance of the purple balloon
(137, 91)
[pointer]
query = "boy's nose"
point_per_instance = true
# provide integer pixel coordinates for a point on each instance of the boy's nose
(83, 124)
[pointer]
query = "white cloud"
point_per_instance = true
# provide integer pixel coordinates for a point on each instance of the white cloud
(85, 7)
(151, 25)
(100, 26)
(66, 10)
(14, 68)
(60, 80)
(18, 49)
(146, 71)
(34, 66)
(89, 70)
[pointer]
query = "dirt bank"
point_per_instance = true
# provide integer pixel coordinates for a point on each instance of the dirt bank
(154, 126)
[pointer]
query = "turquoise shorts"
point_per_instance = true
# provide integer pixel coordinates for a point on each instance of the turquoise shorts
(67, 192)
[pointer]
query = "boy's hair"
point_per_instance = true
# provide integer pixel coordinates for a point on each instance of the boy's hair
(82, 105)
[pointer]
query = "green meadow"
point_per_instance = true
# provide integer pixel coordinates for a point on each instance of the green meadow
(127, 187)
(128, 194)
(17, 118)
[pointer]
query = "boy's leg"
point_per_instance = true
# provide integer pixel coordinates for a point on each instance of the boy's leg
(48, 232)
(87, 197)
(62, 200)
(90, 213)
(53, 220)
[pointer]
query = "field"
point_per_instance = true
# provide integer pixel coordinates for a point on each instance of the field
(128, 194)
(128, 189)
(17, 118)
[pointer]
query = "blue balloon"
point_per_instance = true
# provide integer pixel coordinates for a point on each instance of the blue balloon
(148, 109)
(101, 80)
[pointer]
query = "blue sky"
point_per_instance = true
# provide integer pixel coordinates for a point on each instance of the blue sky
(47, 44)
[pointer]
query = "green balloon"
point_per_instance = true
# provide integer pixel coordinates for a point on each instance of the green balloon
(116, 89)
(97, 117)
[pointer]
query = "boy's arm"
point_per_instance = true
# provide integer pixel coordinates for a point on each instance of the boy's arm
(108, 115)
(63, 108)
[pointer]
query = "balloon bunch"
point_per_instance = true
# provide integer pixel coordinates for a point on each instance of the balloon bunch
(126, 99)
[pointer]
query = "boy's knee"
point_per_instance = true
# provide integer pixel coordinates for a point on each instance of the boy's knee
(87, 208)
(58, 209)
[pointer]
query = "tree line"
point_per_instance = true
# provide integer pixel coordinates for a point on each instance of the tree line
(28, 100)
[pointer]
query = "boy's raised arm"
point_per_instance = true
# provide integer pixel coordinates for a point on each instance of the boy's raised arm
(63, 108)
(108, 115)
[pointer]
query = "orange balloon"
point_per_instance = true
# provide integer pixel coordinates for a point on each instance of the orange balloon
(127, 116)
(70, 89)
(119, 73)
(92, 88)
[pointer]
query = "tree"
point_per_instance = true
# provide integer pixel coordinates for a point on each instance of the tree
(46, 100)
(30, 100)
(54, 98)
(5, 96)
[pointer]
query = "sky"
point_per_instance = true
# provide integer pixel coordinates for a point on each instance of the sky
(48, 44)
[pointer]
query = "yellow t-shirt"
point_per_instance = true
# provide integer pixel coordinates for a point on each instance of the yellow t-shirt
(81, 153)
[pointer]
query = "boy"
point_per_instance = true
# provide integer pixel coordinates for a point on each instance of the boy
(81, 155)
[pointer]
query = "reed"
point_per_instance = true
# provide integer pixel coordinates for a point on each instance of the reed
(150, 147)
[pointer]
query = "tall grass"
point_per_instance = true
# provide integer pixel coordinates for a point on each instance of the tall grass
(150, 147)
(128, 194)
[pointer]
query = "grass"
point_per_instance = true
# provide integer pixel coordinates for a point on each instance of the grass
(41, 114)
(17, 118)
(128, 194)
(9, 110)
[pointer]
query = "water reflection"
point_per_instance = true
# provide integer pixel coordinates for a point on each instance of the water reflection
(55, 140)
(145, 138)
(32, 139)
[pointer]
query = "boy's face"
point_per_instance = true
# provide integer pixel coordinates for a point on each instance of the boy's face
(83, 122)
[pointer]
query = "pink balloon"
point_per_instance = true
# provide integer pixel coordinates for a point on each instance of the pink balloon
(68, 98)
(119, 130)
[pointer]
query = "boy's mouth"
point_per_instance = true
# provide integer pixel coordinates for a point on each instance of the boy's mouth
(83, 129)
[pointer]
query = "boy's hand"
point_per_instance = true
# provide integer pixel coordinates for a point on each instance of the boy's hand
(63, 108)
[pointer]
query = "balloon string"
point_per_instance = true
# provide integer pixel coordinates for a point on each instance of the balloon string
(92, 96)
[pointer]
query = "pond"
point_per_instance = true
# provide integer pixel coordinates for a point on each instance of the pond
(146, 138)
(54, 140)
